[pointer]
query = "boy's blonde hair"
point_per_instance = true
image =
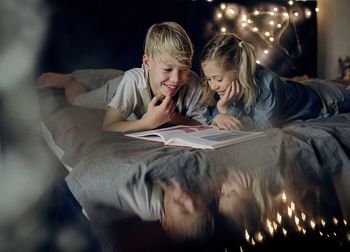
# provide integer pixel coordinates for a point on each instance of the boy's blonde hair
(169, 39)
(195, 227)
(231, 52)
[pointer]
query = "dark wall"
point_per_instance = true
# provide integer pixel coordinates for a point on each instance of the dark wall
(110, 33)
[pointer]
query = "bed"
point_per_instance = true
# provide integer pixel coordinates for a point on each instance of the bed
(104, 166)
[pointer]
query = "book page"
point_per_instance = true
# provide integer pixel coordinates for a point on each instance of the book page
(215, 138)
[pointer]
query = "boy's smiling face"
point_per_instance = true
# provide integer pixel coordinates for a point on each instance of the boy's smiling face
(165, 75)
(180, 205)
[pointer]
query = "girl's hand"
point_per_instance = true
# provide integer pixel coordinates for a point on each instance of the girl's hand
(157, 115)
(228, 122)
(238, 184)
(231, 93)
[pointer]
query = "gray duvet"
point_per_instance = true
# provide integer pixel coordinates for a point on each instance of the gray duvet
(107, 166)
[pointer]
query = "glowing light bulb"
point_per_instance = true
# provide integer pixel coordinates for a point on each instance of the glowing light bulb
(335, 221)
(231, 12)
(255, 29)
(290, 2)
(312, 224)
(323, 222)
(317, 9)
(284, 232)
(308, 13)
(219, 15)
(223, 29)
(279, 25)
(267, 34)
(256, 12)
(259, 237)
(296, 220)
(246, 234)
(284, 197)
(253, 242)
(223, 6)
(279, 218)
(298, 228)
(271, 22)
(275, 9)
(271, 39)
(303, 216)
(292, 206)
(271, 230)
(274, 225)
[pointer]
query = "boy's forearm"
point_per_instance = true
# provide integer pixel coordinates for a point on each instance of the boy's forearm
(125, 126)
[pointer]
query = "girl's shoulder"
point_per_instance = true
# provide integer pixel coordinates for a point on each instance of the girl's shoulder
(265, 76)
(262, 72)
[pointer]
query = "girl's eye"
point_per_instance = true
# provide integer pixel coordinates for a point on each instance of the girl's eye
(220, 80)
(167, 69)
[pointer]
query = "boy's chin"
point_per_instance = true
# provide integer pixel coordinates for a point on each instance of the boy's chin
(168, 93)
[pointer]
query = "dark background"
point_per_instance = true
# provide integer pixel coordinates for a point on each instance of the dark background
(110, 33)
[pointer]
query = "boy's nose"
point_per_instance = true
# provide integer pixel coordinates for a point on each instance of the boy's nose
(175, 76)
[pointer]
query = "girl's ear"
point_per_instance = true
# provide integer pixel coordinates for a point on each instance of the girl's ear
(146, 61)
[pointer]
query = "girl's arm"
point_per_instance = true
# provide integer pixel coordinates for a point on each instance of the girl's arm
(227, 122)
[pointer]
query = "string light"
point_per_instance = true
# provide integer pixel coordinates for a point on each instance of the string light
(268, 23)
(297, 223)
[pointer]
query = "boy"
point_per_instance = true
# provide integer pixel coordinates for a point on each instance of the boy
(163, 91)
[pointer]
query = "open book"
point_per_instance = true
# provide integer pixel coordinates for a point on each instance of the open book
(200, 136)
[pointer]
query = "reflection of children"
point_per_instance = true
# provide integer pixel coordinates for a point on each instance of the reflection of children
(253, 97)
(237, 203)
(164, 90)
(182, 214)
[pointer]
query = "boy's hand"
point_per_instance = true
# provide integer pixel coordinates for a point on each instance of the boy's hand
(227, 122)
(231, 93)
(157, 115)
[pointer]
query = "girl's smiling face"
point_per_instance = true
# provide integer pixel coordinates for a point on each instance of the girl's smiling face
(218, 78)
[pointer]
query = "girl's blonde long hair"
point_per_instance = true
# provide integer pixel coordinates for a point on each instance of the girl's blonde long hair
(233, 53)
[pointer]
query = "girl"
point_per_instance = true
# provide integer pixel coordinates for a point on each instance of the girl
(252, 97)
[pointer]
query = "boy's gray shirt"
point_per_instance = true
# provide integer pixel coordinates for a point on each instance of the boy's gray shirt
(133, 96)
